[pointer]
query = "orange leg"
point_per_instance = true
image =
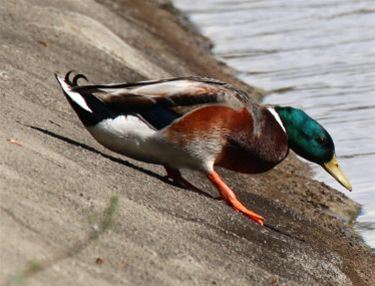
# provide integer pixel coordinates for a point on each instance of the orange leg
(231, 198)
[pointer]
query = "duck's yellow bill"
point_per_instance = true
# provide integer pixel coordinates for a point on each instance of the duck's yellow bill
(334, 169)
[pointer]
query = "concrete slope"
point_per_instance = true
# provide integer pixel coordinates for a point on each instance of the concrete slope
(73, 213)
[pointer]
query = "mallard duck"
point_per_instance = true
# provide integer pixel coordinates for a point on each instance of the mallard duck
(199, 123)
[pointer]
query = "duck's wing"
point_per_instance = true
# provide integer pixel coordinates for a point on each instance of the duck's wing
(160, 102)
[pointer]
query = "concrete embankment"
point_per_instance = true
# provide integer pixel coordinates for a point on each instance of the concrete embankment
(73, 213)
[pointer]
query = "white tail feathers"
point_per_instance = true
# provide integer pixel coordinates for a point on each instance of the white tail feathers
(74, 96)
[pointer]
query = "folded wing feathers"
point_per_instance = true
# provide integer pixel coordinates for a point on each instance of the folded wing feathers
(179, 94)
(171, 93)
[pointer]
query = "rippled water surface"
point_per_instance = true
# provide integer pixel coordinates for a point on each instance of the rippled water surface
(317, 55)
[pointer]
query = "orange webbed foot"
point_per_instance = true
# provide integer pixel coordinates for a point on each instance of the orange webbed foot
(231, 198)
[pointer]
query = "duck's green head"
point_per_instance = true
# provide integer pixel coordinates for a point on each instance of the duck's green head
(311, 141)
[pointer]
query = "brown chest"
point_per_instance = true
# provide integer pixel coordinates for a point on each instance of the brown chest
(255, 145)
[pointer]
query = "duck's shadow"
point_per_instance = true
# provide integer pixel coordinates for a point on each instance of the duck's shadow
(130, 165)
(113, 159)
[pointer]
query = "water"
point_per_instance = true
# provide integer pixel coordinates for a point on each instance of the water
(317, 55)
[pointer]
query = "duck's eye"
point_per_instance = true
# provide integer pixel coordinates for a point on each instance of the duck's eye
(322, 140)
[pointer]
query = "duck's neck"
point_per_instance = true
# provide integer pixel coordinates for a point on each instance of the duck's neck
(276, 115)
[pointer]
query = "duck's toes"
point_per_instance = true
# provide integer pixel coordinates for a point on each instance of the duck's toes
(258, 219)
(250, 214)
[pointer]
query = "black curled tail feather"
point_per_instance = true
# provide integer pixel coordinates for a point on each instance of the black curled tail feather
(74, 81)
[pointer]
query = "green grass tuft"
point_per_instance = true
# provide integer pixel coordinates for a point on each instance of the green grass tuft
(110, 213)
